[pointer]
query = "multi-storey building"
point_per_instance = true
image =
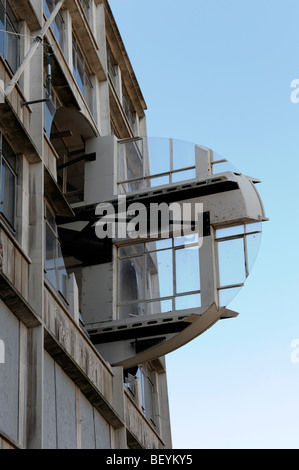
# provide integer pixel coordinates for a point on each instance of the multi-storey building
(85, 321)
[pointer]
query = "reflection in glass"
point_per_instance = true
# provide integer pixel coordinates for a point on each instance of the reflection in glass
(7, 205)
(55, 269)
(155, 162)
(131, 310)
(186, 239)
(156, 275)
(159, 271)
(130, 250)
(187, 270)
(131, 281)
(50, 266)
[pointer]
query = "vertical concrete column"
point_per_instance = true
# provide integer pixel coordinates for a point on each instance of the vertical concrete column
(78, 418)
(119, 406)
(22, 212)
(96, 101)
(23, 385)
(25, 43)
(37, 93)
(34, 421)
(73, 297)
(39, 8)
(100, 29)
(36, 237)
(104, 111)
(208, 271)
(203, 158)
(103, 116)
(68, 47)
(165, 430)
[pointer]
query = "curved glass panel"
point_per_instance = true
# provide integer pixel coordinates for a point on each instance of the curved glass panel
(154, 161)
(237, 249)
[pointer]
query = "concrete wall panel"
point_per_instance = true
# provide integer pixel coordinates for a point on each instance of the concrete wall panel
(49, 429)
(66, 410)
(9, 373)
(102, 432)
(87, 425)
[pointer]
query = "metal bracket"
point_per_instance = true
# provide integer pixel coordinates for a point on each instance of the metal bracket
(90, 157)
(25, 103)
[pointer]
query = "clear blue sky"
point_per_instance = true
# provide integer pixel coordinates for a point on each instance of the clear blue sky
(218, 74)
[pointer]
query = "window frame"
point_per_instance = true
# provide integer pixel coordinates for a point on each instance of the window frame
(128, 107)
(79, 60)
(86, 7)
(9, 17)
(235, 232)
(13, 172)
(146, 303)
(51, 228)
(58, 26)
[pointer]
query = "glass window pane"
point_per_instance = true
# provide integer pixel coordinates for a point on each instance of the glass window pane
(186, 239)
(62, 273)
(80, 76)
(159, 244)
(131, 250)
(132, 310)
(133, 186)
(50, 219)
(187, 301)
(253, 244)
(50, 262)
(131, 160)
(230, 231)
(162, 306)
(227, 295)
(183, 155)
(2, 27)
(131, 279)
(159, 181)
(231, 262)
(159, 155)
(88, 90)
(254, 227)
(8, 193)
(48, 7)
(187, 270)
(223, 167)
(8, 153)
(183, 176)
(49, 112)
(12, 44)
(159, 274)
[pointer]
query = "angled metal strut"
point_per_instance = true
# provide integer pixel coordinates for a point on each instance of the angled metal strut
(37, 41)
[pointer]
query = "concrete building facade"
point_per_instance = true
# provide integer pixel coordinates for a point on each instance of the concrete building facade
(87, 320)
(56, 390)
